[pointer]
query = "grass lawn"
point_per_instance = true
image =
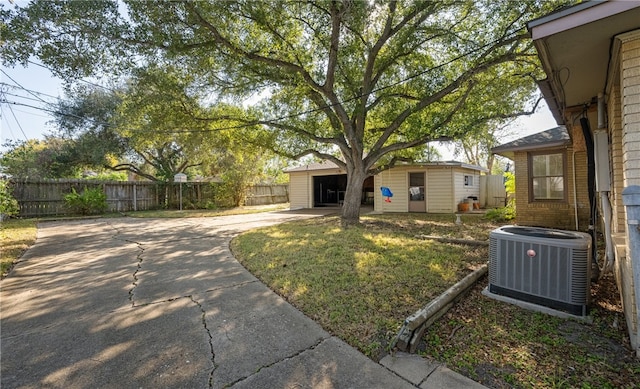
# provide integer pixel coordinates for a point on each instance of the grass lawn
(361, 283)
(16, 237)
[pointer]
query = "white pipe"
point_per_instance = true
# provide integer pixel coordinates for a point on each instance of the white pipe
(606, 215)
(575, 195)
(603, 182)
(601, 117)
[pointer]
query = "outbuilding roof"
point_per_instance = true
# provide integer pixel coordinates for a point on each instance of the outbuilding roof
(552, 138)
(327, 165)
(313, 166)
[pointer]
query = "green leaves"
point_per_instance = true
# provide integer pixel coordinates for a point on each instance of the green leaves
(8, 204)
(90, 201)
(74, 38)
(363, 80)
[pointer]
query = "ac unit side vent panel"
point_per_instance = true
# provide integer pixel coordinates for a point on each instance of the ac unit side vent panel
(552, 271)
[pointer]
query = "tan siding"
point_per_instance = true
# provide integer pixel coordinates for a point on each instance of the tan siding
(439, 190)
(396, 180)
(299, 193)
(441, 195)
(377, 195)
(462, 192)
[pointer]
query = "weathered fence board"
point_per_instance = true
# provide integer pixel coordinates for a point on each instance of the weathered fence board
(492, 191)
(267, 194)
(38, 198)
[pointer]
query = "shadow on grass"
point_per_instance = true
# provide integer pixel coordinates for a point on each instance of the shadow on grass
(358, 283)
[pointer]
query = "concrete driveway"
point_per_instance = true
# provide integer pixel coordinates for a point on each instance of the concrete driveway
(162, 303)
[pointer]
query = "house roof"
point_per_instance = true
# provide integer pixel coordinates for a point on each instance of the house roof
(328, 165)
(574, 46)
(552, 138)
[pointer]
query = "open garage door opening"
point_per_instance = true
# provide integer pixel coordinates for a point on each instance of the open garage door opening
(329, 191)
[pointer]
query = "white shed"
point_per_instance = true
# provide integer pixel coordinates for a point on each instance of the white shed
(435, 187)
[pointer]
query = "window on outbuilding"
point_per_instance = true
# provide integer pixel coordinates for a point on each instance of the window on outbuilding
(547, 176)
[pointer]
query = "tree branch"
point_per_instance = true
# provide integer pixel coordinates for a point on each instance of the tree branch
(320, 155)
(378, 153)
(300, 131)
(389, 165)
(334, 43)
(273, 62)
(133, 169)
(428, 100)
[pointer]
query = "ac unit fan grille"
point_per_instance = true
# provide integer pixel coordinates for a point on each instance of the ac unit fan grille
(557, 276)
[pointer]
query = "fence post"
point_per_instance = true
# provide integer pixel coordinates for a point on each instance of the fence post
(135, 197)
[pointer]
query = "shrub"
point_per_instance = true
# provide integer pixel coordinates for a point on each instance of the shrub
(503, 214)
(8, 204)
(508, 212)
(90, 201)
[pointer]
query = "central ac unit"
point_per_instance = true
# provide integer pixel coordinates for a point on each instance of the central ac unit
(542, 266)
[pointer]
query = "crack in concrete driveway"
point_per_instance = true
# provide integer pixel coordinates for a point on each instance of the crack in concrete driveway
(130, 303)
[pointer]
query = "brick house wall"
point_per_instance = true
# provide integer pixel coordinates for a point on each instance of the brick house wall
(553, 214)
(627, 267)
(615, 137)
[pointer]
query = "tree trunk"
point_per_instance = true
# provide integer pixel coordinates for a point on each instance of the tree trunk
(353, 197)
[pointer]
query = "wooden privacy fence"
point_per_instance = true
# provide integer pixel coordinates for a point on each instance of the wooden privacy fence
(492, 191)
(267, 194)
(38, 198)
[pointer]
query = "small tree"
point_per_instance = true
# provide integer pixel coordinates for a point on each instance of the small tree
(508, 212)
(8, 204)
(90, 201)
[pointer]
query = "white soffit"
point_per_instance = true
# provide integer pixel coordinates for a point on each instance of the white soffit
(575, 46)
(578, 15)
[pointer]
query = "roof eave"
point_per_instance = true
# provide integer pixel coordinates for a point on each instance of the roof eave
(549, 95)
(548, 30)
(576, 15)
(531, 147)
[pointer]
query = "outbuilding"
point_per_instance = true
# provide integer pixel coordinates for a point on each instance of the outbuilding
(436, 187)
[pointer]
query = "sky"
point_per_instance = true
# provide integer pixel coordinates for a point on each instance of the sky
(24, 92)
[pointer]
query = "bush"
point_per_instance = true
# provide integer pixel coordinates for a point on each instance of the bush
(90, 201)
(508, 212)
(8, 204)
(503, 214)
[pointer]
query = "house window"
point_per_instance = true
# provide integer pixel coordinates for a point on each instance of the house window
(468, 180)
(547, 176)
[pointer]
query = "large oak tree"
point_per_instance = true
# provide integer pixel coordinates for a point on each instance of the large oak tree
(359, 83)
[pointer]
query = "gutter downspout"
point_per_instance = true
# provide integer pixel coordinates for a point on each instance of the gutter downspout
(603, 181)
(591, 173)
(575, 195)
(606, 216)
